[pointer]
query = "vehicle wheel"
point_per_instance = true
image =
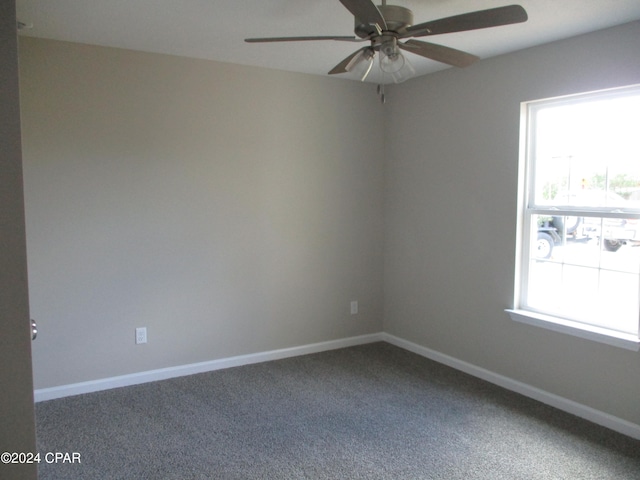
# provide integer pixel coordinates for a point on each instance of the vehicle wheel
(544, 245)
(612, 245)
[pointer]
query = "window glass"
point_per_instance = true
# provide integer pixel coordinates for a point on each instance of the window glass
(587, 152)
(578, 277)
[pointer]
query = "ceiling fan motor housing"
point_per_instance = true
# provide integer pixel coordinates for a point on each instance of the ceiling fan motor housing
(397, 19)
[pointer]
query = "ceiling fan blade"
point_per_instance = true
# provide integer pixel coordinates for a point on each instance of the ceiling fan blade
(439, 53)
(492, 17)
(348, 63)
(301, 39)
(365, 11)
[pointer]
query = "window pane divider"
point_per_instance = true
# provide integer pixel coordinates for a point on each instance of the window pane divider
(582, 212)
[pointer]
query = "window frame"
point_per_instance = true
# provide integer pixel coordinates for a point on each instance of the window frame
(528, 208)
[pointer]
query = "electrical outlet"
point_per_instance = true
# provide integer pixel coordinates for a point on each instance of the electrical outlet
(141, 335)
(354, 307)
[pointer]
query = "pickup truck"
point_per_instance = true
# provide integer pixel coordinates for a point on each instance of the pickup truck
(613, 232)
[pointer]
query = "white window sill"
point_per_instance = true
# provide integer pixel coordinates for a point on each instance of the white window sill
(602, 335)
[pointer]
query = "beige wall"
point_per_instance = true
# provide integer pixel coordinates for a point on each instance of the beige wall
(451, 212)
(234, 210)
(230, 210)
(17, 432)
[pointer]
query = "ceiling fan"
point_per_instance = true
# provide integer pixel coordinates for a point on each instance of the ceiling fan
(385, 26)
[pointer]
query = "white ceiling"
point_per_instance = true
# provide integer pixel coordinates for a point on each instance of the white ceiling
(215, 29)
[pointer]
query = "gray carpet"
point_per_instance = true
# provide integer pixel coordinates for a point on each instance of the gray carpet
(367, 412)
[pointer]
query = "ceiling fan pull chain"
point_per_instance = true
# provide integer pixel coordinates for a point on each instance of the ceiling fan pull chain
(381, 94)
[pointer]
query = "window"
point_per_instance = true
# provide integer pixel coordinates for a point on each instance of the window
(579, 216)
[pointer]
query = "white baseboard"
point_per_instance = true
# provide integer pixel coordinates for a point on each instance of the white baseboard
(596, 416)
(51, 393)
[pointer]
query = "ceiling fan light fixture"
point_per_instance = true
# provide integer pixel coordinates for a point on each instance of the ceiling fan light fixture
(391, 59)
(393, 63)
(361, 64)
(405, 73)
